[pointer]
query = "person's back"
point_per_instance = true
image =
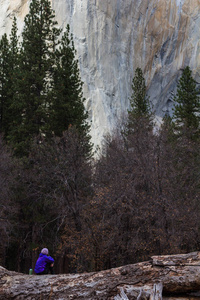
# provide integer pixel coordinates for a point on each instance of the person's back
(44, 264)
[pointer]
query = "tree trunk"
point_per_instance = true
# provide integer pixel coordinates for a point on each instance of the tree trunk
(172, 275)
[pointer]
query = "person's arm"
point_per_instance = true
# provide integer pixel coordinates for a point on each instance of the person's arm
(50, 259)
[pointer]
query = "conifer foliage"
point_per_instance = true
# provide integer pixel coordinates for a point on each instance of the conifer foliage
(140, 107)
(4, 79)
(187, 109)
(67, 108)
(140, 198)
(43, 119)
(139, 100)
(8, 64)
(47, 90)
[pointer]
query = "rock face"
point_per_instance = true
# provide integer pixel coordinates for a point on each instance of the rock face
(113, 37)
(157, 279)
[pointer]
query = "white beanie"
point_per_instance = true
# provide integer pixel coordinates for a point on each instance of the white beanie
(45, 251)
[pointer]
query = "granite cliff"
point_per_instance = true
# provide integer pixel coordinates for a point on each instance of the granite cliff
(113, 37)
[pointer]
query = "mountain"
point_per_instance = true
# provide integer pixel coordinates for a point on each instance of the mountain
(113, 37)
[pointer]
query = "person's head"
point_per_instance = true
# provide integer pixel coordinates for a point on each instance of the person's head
(45, 251)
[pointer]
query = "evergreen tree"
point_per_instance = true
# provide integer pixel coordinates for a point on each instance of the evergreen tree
(4, 80)
(34, 80)
(139, 100)
(8, 65)
(13, 55)
(139, 116)
(187, 109)
(68, 102)
(46, 99)
(48, 95)
(167, 126)
(14, 48)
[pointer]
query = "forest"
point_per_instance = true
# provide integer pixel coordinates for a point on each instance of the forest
(137, 198)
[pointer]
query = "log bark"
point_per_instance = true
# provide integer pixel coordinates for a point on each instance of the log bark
(157, 292)
(172, 275)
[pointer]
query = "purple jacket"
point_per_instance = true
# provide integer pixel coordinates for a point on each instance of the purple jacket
(41, 262)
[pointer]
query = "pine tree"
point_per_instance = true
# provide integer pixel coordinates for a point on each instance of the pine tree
(4, 80)
(14, 48)
(187, 110)
(68, 102)
(13, 55)
(34, 80)
(46, 96)
(8, 65)
(139, 102)
(46, 100)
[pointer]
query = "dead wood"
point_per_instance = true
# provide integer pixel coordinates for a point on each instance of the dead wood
(162, 275)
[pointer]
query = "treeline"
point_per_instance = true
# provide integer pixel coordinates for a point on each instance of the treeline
(140, 197)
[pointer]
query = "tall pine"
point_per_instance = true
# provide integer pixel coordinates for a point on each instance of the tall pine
(187, 109)
(139, 100)
(4, 80)
(8, 65)
(34, 81)
(68, 101)
(139, 115)
(48, 97)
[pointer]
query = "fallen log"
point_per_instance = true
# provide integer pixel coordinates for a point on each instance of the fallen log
(162, 275)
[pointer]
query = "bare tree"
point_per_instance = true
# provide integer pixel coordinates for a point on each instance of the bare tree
(57, 182)
(146, 197)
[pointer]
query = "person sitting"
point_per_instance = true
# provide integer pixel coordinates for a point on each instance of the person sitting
(44, 264)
